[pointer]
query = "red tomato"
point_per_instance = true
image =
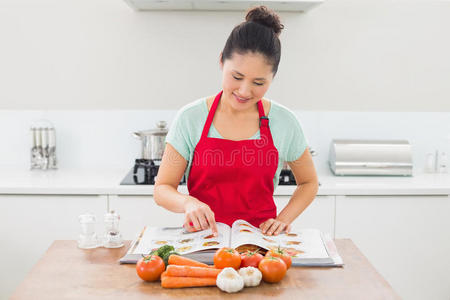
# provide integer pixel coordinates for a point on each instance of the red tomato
(279, 252)
(149, 268)
(272, 268)
(227, 257)
(250, 259)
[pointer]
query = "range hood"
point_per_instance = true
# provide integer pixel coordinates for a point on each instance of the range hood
(239, 5)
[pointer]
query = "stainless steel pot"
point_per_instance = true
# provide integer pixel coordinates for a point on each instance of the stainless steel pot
(153, 141)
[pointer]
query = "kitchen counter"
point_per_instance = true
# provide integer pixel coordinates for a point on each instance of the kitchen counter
(66, 272)
(103, 181)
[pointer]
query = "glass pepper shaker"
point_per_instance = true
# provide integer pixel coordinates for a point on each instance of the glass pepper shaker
(113, 237)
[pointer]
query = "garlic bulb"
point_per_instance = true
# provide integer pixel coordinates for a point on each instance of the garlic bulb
(229, 281)
(252, 276)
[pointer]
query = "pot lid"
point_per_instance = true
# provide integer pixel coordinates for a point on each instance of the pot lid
(161, 129)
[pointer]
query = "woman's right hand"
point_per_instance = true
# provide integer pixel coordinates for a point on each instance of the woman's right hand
(198, 216)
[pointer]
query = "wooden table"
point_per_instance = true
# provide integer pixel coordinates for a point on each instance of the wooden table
(67, 272)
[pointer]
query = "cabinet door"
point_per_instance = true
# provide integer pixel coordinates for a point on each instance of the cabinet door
(406, 238)
(30, 223)
(138, 211)
(319, 214)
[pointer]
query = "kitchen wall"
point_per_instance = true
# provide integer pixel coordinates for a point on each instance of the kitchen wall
(102, 138)
(99, 70)
(345, 55)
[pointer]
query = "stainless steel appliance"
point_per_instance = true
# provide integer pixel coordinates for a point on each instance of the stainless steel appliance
(43, 147)
(153, 141)
(370, 157)
(146, 168)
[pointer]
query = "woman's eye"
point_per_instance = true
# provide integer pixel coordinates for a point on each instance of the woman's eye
(256, 83)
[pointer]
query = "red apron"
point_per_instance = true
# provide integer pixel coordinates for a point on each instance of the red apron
(235, 178)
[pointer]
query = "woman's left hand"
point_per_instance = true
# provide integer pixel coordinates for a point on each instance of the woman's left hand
(274, 227)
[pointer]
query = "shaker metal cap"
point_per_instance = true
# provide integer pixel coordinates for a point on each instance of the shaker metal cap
(111, 216)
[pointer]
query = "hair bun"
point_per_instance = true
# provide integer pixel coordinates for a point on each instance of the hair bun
(265, 16)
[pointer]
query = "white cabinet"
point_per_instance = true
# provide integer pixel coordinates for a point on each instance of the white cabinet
(319, 214)
(406, 238)
(30, 223)
(138, 211)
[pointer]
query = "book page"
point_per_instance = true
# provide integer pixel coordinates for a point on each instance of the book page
(305, 243)
(183, 242)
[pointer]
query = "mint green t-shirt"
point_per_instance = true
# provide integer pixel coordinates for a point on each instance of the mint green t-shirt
(186, 130)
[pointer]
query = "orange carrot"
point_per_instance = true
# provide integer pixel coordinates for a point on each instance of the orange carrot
(190, 271)
(184, 261)
(172, 282)
(163, 274)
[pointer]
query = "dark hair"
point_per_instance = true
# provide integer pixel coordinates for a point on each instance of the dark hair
(259, 34)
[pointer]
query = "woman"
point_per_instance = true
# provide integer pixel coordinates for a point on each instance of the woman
(232, 158)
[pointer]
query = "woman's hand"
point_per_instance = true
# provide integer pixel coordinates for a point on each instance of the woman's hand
(274, 226)
(198, 216)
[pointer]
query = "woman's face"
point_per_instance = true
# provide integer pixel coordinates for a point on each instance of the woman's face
(246, 78)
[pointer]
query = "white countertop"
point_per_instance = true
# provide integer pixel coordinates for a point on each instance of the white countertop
(14, 180)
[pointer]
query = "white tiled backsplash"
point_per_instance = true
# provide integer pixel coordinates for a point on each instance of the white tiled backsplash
(103, 137)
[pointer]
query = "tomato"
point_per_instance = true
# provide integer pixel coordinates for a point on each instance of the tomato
(150, 267)
(250, 259)
(279, 252)
(272, 268)
(227, 257)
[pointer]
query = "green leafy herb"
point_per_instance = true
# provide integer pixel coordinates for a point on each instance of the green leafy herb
(166, 257)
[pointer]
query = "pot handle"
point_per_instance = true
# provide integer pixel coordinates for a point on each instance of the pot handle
(137, 135)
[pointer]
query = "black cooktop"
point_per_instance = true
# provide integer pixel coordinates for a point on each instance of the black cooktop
(140, 178)
(145, 171)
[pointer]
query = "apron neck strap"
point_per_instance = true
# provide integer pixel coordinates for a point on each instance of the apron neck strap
(211, 113)
(261, 109)
(263, 120)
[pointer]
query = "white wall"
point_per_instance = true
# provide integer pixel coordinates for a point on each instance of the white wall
(87, 139)
(349, 55)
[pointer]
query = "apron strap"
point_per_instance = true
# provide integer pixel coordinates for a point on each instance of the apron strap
(263, 120)
(211, 113)
(264, 130)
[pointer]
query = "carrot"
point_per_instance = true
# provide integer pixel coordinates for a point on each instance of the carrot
(172, 282)
(163, 274)
(190, 271)
(184, 261)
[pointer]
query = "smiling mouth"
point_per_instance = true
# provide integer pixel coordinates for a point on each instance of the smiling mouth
(241, 99)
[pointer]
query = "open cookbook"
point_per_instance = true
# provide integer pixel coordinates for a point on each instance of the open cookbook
(308, 247)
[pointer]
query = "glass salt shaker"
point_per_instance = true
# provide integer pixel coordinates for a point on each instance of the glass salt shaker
(88, 237)
(443, 161)
(113, 237)
(430, 163)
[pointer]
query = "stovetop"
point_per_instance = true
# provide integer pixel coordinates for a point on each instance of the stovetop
(140, 178)
(287, 177)
(145, 171)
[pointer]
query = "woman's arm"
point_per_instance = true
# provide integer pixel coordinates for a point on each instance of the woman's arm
(169, 176)
(198, 215)
(307, 186)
